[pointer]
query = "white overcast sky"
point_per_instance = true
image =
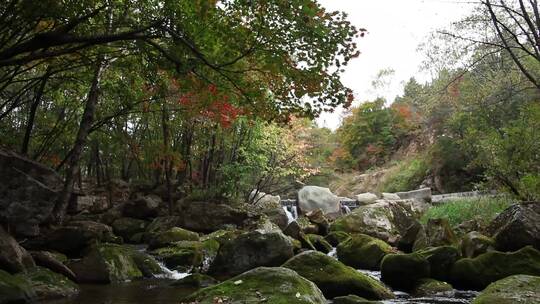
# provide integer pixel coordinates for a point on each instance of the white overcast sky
(396, 29)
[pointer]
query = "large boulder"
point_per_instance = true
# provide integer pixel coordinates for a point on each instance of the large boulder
(14, 289)
(363, 251)
(441, 260)
(130, 229)
(250, 250)
(517, 227)
(336, 237)
(437, 232)
(386, 220)
(143, 207)
(319, 243)
(366, 198)
(49, 285)
(171, 236)
(107, 263)
(474, 244)
(403, 271)
(270, 205)
(311, 198)
(261, 285)
(13, 258)
(511, 290)
(75, 236)
(334, 278)
(28, 192)
(479, 272)
(317, 218)
(209, 217)
(182, 255)
(423, 194)
(50, 261)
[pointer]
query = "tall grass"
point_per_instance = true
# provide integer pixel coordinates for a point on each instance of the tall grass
(461, 210)
(407, 175)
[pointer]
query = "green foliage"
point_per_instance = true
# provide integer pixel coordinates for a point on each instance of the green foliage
(461, 210)
(408, 175)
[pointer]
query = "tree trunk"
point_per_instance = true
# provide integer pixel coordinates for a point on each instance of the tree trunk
(60, 207)
(32, 114)
(167, 160)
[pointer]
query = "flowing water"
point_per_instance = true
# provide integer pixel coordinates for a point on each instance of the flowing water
(291, 215)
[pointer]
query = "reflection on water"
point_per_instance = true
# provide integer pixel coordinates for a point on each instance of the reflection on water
(155, 291)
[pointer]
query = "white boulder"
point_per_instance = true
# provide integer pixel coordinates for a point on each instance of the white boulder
(366, 198)
(311, 198)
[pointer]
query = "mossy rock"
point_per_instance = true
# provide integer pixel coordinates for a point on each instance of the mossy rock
(161, 224)
(336, 237)
(474, 244)
(363, 251)
(437, 232)
(441, 260)
(319, 243)
(183, 255)
(403, 271)
(49, 285)
(147, 264)
(196, 280)
(352, 299)
(511, 290)
(479, 272)
(271, 285)
(175, 234)
(15, 289)
(431, 287)
(128, 228)
(334, 278)
(107, 263)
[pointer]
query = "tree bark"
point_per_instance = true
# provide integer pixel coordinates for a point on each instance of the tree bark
(32, 114)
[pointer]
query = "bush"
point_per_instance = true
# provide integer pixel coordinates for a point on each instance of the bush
(461, 210)
(408, 175)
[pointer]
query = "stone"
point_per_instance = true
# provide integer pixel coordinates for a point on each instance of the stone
(516, 227)
(441, 260)
(273, 285)
(403, 271)
(49, 285)
(143, 207)
(197, 280)
(161, 224)
(182, 255)
(28, 192)
(319, 243)
(13, 257)
(423, 194)
(250, 250)
(90, 203)
(311, 198)
(317, 218)
(128, 227)
(270, 205)
(50, 260)
(108, 263)
(431, 287)
(474, 244)
(511, 290)
(366, 198)
(408, 237)
(479, 272)
(437, 232)
(208, 217)
(352, 299)
(173, 235)
(334, 278)
(390, 196)
(363, 251)
(15, 289)
(295, 231)
(336, 237)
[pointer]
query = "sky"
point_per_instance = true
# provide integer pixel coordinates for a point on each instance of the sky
(395, 30)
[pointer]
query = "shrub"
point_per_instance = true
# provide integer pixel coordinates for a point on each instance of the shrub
(407, 175)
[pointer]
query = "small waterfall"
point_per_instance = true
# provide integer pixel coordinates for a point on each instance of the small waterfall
(346, 209)
(333, 252)
(171, 274)
(294, 212)
(290, 216)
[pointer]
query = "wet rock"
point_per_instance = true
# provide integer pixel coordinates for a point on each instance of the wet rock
(352, 299)
(474, 244)
(107, 263)
(513, 289)
(479, 272)
(196, 280)
(318, 218)
(14, 289)
(171, 236)
(263, 284)
(49, 285)
(431, 287)
(183, 255)
(437, 232)
(336, 237)
(403, 271)
(334, 278)
(311, 198)
(13, 257)
(441, 260)
(208, 217)
(28, 192)
(295, 231)
(408, 237)
(516, 227)
(319, 243)
(363, 251)
(250, 250)
(50, 261)
(128, 227)
(144, 207)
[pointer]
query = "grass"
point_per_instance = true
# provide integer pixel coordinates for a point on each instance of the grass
(484, 210)
(406, 175)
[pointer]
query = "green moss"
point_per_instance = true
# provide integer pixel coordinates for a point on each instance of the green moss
(363, 251)
(479, 272)
(175, 234)
(262, 285)
(49, 285)
(441, 260)
(402, 271)
(430, 287)
(319, 243)
(14, 289)
(511, 290)
(474, 244)
(336, 237)
(120, 262)
(334, 278)
(181, 255)
(407, 175)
